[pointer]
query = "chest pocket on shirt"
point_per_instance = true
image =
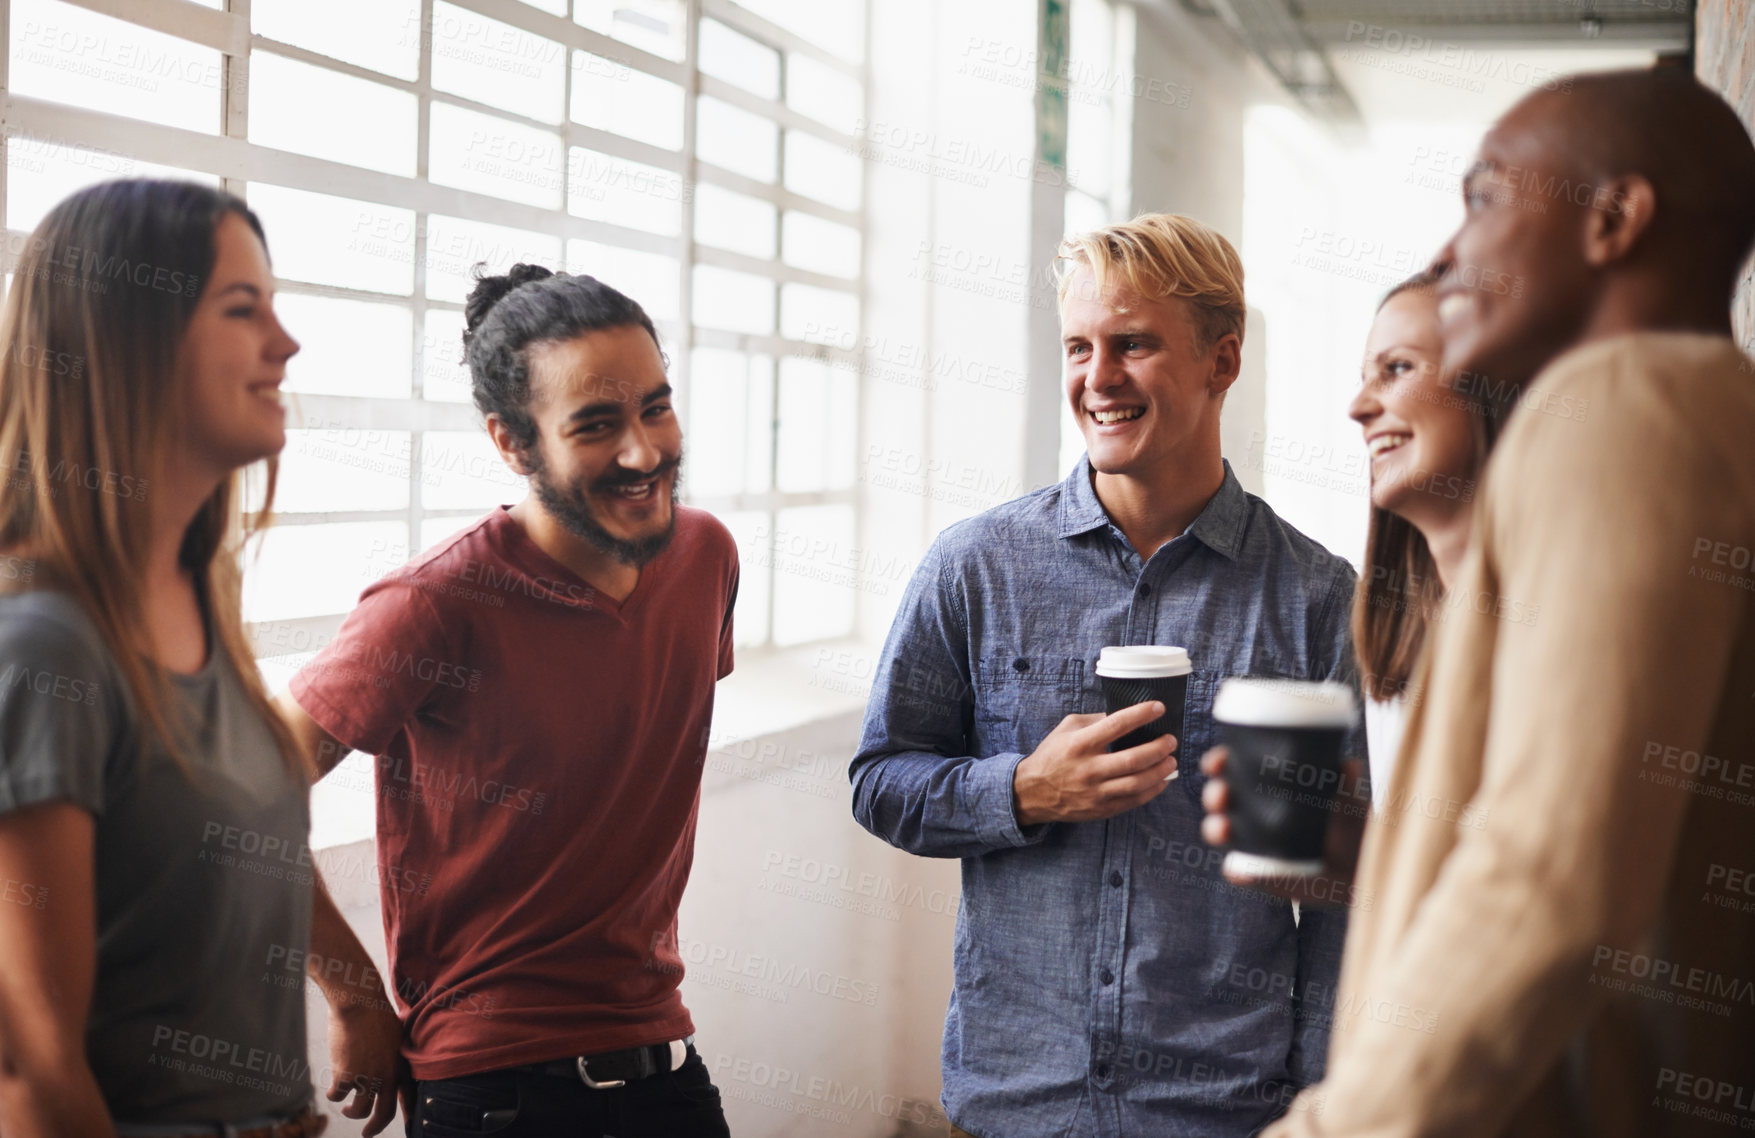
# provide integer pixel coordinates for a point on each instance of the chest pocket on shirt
(1020, 699)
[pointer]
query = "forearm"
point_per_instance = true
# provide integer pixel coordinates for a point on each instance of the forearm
(933, 806)
(53, 1099)
(337, 962)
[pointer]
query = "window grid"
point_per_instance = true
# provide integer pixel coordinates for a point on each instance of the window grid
(238, 162)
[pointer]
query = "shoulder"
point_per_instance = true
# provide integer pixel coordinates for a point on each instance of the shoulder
(701, 533)
(1284, 549)
(47, 629)
(998, 531)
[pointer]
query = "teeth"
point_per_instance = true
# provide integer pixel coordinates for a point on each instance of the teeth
(1118, 416)
(1452, 306)
(1386, 443)
(637, 491)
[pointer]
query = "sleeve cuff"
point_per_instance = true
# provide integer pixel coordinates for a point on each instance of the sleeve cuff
(993, 806)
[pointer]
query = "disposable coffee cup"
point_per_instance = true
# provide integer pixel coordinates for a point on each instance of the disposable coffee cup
(1141, 673)
(1283, 770)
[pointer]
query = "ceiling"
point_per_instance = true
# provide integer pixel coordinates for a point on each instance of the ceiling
(1308, 44)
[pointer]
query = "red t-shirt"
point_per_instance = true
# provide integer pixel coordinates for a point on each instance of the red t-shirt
(539, 766)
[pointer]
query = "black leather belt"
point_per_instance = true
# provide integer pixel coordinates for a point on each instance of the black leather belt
(618, 1068)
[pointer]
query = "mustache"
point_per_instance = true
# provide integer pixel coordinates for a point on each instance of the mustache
(620, 478)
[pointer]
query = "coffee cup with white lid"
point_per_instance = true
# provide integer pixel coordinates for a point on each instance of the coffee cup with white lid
(1139, 673)
(1283, 770)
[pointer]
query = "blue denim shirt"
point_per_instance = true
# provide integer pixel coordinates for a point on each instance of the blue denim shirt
(1108, 980)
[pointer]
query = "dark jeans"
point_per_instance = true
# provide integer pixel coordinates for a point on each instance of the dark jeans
(682, 1103)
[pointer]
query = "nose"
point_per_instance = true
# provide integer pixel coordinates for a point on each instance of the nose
(1365, 405)
(1104, 370)
(638, 452)
(281, 345)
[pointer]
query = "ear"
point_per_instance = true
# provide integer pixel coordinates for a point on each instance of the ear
(1227, 358)
(507, 444)
(1620, 212)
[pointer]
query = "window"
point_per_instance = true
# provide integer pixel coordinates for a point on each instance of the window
(697, 156)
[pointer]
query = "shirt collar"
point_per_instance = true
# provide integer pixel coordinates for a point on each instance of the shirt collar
(1219, 526)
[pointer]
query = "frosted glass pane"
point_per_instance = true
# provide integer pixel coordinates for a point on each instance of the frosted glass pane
(313, 110)
(343, 469)
(736, 58)
(383, 35)
(323, 239)
(810, 242)
(818, 427)
(734, 301)
(718, 410)
(651, 279)
(817, 567)
(436, 530)
(1087, 145)
(752, 531)
(552, 7)
(835, 25)
(75, 56)
(822, 170)
(733, 221)
(814, 88)
(349, 347)
(627, 102)
(318, 569)
(734, 138)
(462, 470)
(489, 155)
(657, 26)
(497, 64)
(807, 311)
(40, 172)
(631, 194)
(455, 246)
(443, 376)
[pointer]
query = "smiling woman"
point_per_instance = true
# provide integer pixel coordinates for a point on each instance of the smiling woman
(147, 790)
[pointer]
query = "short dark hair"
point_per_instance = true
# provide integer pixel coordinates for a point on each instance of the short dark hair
(530, 304)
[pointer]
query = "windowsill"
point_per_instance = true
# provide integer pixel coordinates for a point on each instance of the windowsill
(769, 691)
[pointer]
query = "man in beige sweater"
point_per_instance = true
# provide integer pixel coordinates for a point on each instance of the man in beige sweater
(1583, 961)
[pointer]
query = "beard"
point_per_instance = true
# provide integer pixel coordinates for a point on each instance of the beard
(570, 504)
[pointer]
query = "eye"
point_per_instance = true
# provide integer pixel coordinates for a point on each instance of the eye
(1076, 349)
(658, 410)
(242, 311)
(1395, 369)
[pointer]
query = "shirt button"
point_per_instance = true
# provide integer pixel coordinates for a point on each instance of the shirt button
(1020, 665)
(1115, 878)
(1102, 1070)
(1145, 589)
(1106, 976)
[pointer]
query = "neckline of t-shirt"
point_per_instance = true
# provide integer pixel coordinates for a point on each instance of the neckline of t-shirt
(199, 676)
(519, 540)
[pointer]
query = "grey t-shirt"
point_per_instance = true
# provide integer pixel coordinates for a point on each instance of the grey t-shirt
(203, 880)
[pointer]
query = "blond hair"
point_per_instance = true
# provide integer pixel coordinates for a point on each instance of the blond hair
(1158, 255)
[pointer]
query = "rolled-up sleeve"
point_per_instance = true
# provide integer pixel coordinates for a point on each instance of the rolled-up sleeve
(915, 784)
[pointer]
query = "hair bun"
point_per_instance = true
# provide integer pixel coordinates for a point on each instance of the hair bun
(489, 290)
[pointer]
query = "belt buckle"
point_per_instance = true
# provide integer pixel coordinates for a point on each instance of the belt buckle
(585, 1077)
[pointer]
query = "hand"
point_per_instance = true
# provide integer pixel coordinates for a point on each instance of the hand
(365, 1045)
(1333, 888)
(1072, 777)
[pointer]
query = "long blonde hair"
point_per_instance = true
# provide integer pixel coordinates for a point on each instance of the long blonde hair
(101, 301)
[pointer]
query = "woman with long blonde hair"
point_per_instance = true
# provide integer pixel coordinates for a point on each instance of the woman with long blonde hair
(155, 874)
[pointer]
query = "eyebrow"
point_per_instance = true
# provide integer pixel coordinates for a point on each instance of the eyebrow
(1481, 166)
(1138, 332)
(241, 286)
(611, 406)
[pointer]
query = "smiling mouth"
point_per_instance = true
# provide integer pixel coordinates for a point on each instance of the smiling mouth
(641, 491)
(1383, 444)
(1107, 417)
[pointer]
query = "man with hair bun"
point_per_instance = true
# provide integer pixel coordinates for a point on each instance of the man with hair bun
(537, 690)
(1108, 981)
(1581, 959)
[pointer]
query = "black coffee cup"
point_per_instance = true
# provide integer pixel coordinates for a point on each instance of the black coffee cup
(1283, 770)
(1139, 673)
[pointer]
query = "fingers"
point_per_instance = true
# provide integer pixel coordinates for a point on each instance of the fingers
(1147, 755)
(383, 1113)
(1215, 798)
(364, 1093)
(1109, 728)
(339, 1087)
(1212, 764)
